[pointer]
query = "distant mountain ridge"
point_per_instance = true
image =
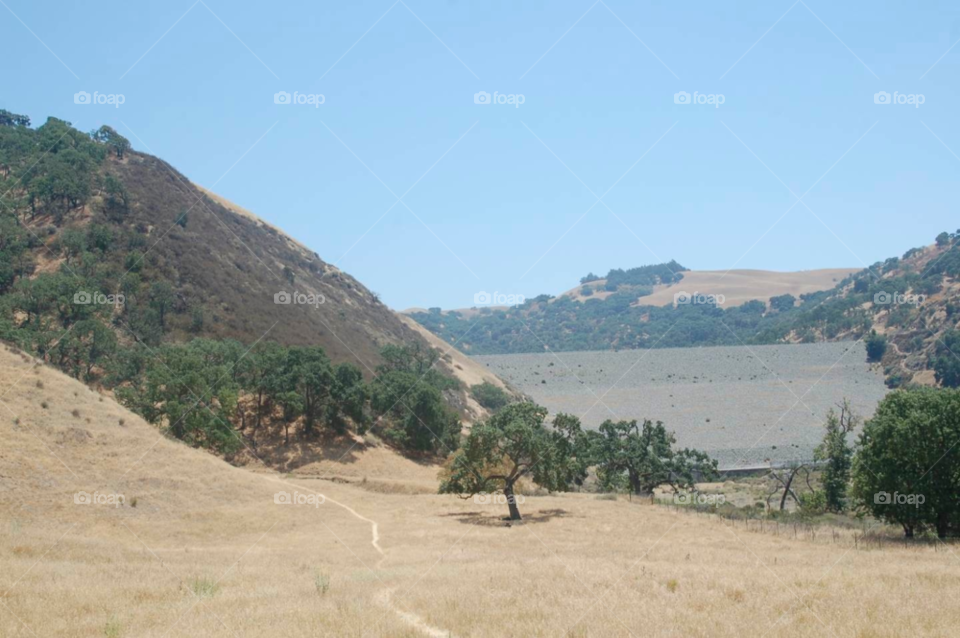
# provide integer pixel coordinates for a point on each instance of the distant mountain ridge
(910, 302)
(636, 308)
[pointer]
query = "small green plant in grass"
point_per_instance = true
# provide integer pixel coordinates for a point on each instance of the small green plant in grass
(672, 585)
(321, 581)
(204, 587)
(113, 628)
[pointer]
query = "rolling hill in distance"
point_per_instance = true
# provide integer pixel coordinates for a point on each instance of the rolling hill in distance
(908, 301)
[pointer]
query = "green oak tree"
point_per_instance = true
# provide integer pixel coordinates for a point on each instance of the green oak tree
(514, 444)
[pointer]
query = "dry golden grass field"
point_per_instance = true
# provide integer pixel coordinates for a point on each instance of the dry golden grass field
(200, 548)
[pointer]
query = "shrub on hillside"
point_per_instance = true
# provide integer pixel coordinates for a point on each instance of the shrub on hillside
(490, 396)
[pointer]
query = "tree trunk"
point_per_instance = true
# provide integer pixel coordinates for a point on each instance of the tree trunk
(908, 531)
(635, 482)
(512, 502)
(942, 525)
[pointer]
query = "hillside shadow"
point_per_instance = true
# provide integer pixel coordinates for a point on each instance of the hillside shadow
(485, 519)
(300, 452)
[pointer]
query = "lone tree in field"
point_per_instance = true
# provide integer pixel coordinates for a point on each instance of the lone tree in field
(837, 455)
(642, 457)
(513, 444)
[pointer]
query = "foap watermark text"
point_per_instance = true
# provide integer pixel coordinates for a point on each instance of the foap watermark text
(883, 298)
(112, 99)
(912, 99)
(498, 499)
(295, 298)
(484, 98)
(697, 299)
(285, 498)
(308, 99)
(696, 498)
(85, 298)
(484, 298)
(713, 99)
(85, 498)
(886, 498)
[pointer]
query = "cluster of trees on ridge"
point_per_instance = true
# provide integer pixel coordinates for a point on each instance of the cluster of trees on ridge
(47, 173)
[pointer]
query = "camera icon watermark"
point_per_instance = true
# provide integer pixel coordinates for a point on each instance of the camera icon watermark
(913, 99)
(285, 498)
(284, 298)
(85, 498)
(113, 99)
(484, 98)
(309, 99)
(84, 298)
(484, 298)
(714, 99)
(884, 298)
(498, 499)
(698, 498)
(886, 498)
(697, 299)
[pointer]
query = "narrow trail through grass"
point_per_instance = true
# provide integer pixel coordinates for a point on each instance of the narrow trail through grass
(385, 597)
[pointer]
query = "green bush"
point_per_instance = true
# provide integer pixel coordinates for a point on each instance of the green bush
(490, 396)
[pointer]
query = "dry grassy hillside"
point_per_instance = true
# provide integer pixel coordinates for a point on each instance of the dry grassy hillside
(737, 286)
(200, 548)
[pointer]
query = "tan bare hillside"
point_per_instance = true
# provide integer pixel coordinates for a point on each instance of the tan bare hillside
(737, 286)
(232, 264)
(200, 548)
(455, 363)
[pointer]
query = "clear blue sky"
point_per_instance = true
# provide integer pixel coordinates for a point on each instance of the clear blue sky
(500, 209)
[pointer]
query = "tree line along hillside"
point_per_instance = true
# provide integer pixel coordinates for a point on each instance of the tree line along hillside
(909, 303)
(117, 270)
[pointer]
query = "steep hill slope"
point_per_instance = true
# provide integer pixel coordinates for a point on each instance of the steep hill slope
(911, 302)
(232, 265)
(153, 258)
